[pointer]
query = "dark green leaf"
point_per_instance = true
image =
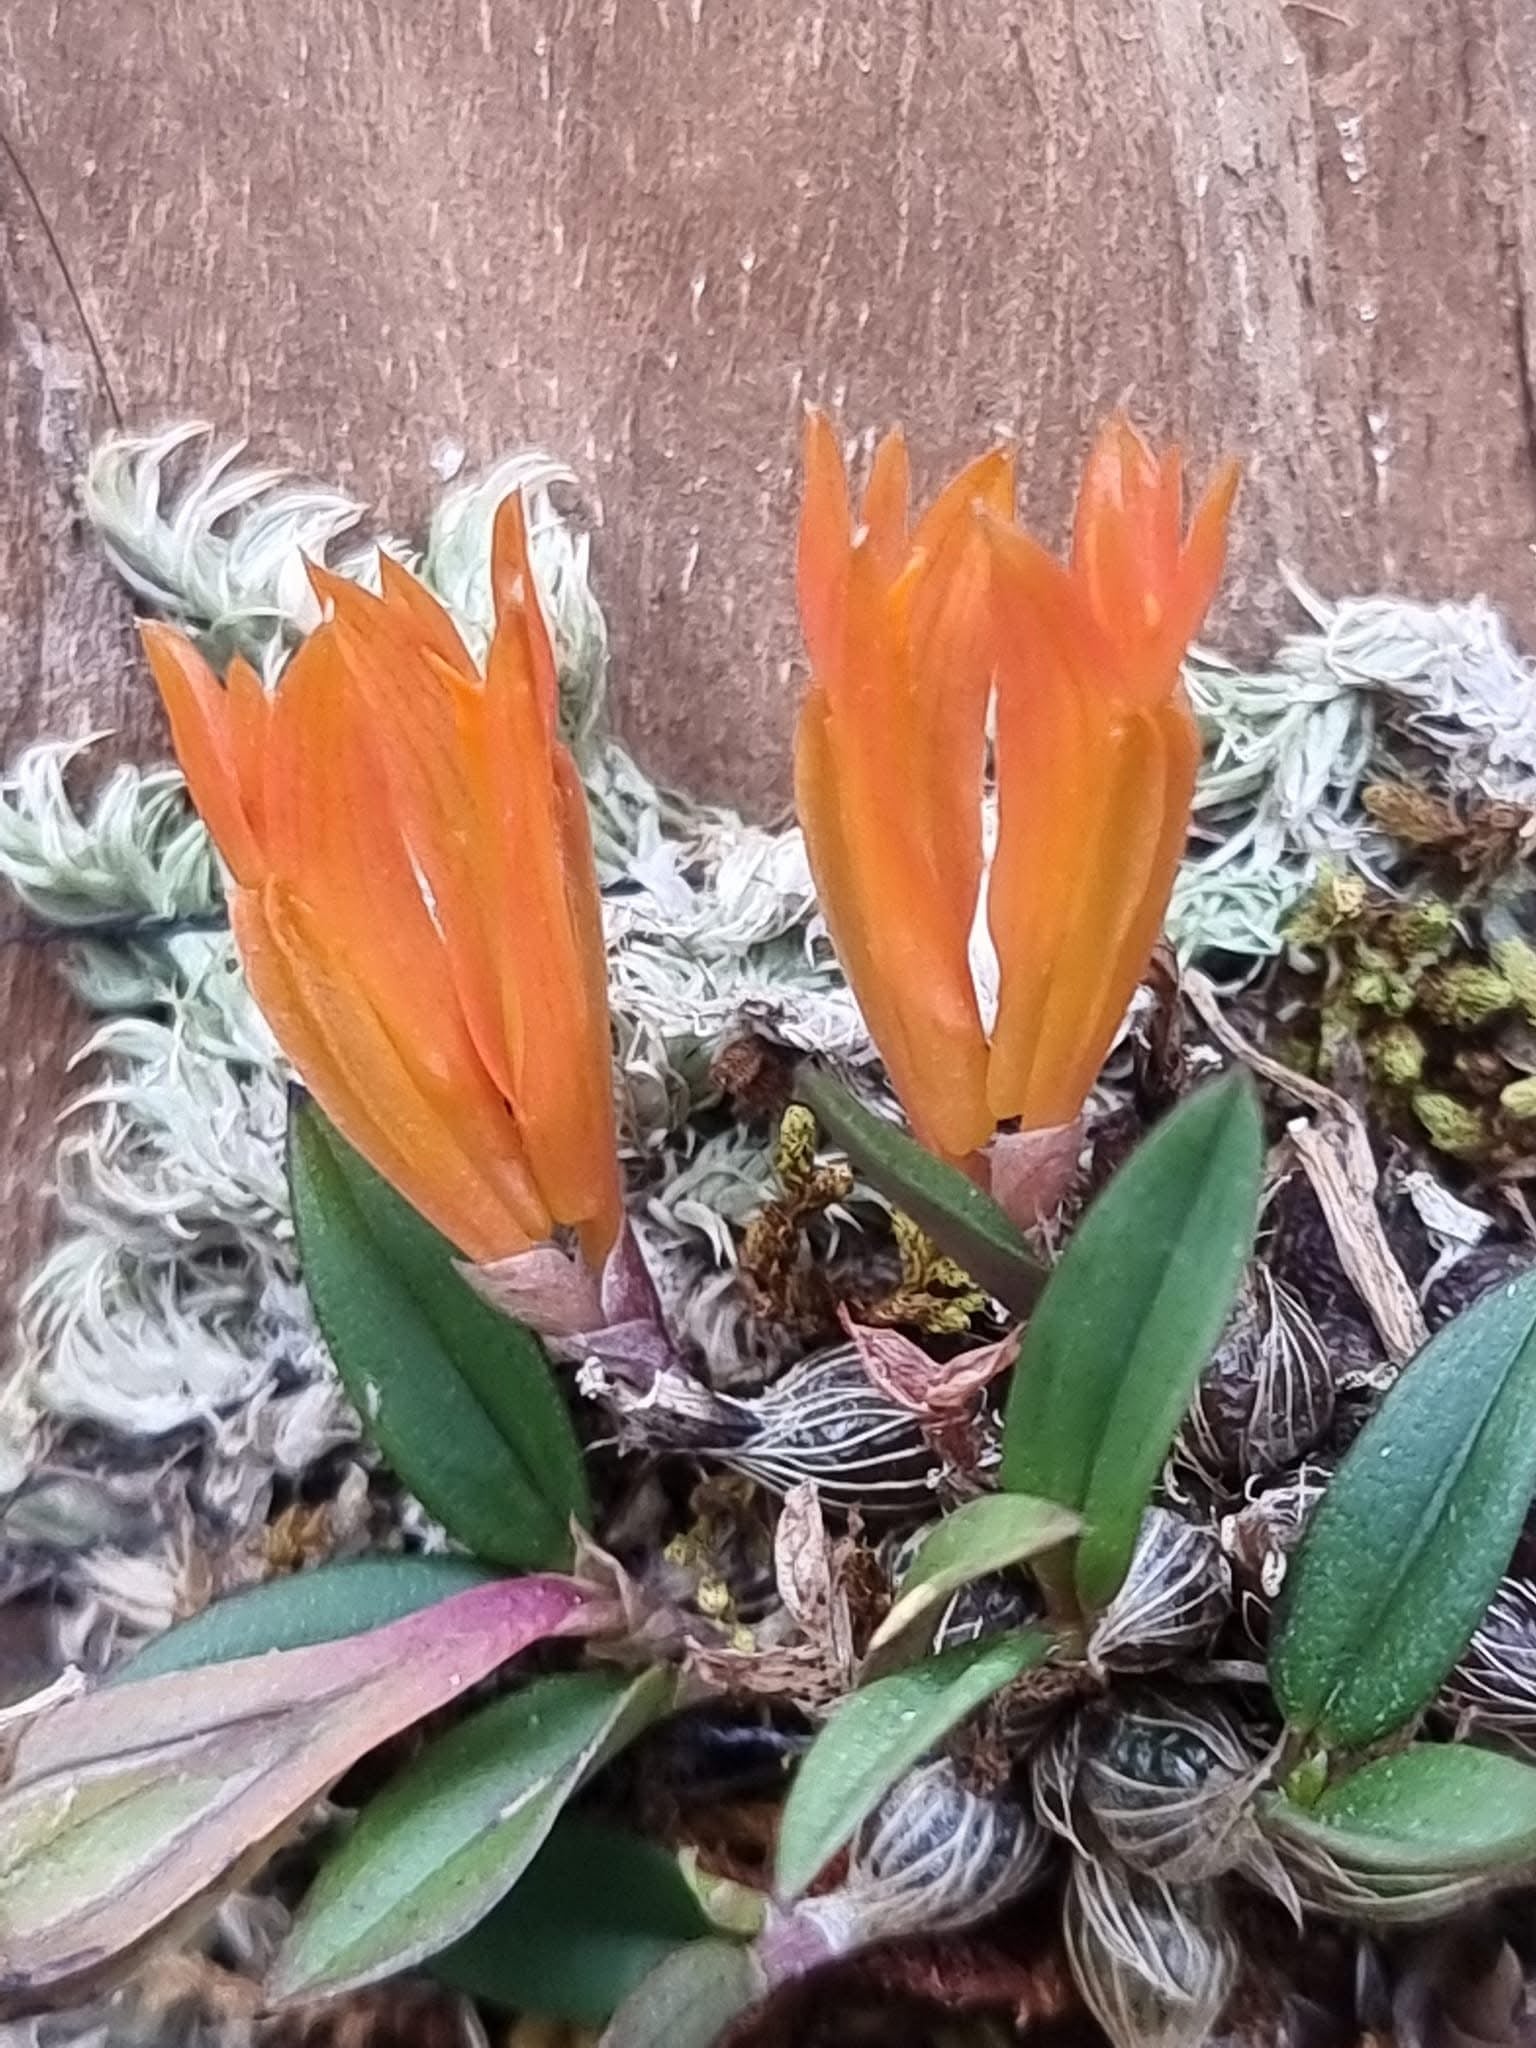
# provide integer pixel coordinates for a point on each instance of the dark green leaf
(595, 1911)
(453, 1833)
(960, 1219)
(1131, 1316)
(1438, 1807)
(877, 1734)
(318, 1606)
(689, 1999)
(460, 1400)
(1406, 1547)
(986, 1535)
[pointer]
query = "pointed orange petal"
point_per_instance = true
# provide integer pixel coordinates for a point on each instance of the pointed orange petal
(941, 1086)
(426, 726)
(517, 602)
(199, 717)
(1106, 557)
(460, 852)
(1165, 522)
(885, 504)
(557, 1039)
(837, 875)
(249, 719)
(338, 841)
(916, 922)
(952, 643)
(1204, 556)
(1095, 970)
(302, 737)
(414, 605)
(1049, 729)
(455, 1161)
(1033, 593)
(1141, 486)
(1177, 745)
(591, 1078)
(988, 481)
(826, 535)
(348, 601)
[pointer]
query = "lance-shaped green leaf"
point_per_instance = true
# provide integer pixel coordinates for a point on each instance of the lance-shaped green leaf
(1435, 1808)
(460, 1400)
(453, 1833)
(131, 1809)
(1406, 1547)
(877, 1734)
(689, 1999)
(960, 1219)
(1112, 1354)
(316, 1606)
(986, 1535)
(593, 1914)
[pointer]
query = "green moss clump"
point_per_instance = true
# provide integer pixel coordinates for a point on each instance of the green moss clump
(1453, 1128)
(1395, 1056)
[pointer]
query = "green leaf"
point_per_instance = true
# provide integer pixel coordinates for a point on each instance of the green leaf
(986, 1535)
(316, 1606)
(1406, 1547)
(1132, 1314)
(1436, 1807)
(877, 1734)
(595, 1911)
(453, 1833)
(689, 1999)
(460, 1400)
(960, 1219)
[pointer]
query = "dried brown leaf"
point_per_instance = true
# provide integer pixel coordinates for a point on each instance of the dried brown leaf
(1335, 1154)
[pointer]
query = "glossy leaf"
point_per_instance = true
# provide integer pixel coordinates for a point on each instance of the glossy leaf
(1406, 1547)
(1112, 1355)
(877, 1734)
(1441, 1807)
(460, 1400)
(986, 1535)
(316, 1606)
(955, 1213)
(131, 1809)
(593, 1914)
(689, 1999)
(453, 1833)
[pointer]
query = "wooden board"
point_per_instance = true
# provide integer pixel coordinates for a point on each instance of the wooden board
(645, 231)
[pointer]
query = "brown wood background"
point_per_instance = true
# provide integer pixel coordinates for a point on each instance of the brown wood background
(642, 231)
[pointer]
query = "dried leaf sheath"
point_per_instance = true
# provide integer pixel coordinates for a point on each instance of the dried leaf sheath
(416, 902)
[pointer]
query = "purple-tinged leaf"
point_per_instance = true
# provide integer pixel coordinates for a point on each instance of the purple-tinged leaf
(130, 1810)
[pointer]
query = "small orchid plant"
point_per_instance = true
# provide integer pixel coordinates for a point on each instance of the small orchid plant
(1097, 1607)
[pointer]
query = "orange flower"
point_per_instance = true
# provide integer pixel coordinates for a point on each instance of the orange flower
(1096, 757)
(889, 759)
(415, 901)
(1095, 762)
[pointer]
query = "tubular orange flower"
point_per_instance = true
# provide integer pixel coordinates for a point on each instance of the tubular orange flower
(1095, 763)
(889, 759)
(1096, 757)
(415, 899)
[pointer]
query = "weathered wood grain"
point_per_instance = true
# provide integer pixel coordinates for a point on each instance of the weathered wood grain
(65, 669)
(643, 231)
